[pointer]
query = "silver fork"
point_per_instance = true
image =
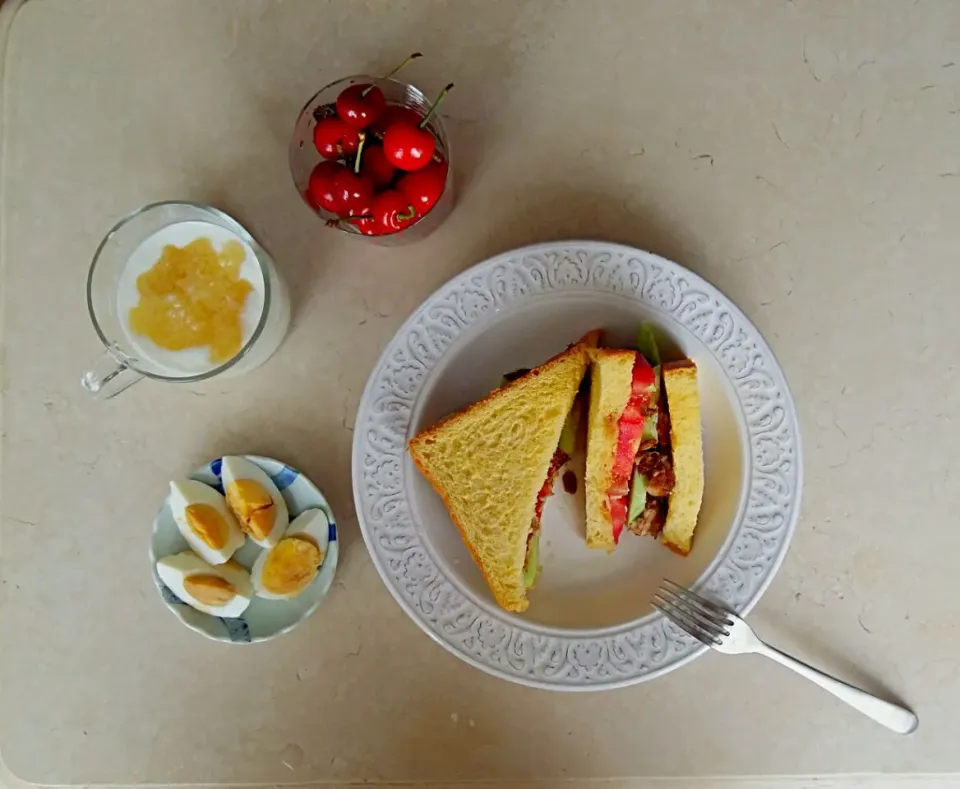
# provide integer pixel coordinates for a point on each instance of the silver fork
(726, 632)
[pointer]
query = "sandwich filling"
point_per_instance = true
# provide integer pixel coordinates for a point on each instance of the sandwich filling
(559, 459)
(653, 475)
(630, 432)
(531, 565)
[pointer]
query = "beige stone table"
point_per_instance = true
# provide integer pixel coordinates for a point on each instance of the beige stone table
(803, 156)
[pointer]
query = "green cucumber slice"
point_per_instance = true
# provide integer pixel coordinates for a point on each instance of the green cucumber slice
(638, 497)
(650, 425)
(647, 344)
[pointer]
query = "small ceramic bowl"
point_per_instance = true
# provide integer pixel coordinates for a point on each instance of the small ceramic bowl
(263, 619)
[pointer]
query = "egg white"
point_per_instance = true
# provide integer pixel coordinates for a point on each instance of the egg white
(174, 571)
(234, 468)
(313, 523)
(188, 491)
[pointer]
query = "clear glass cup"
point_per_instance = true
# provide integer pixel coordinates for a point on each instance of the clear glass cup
(304, 155)
(122, 364)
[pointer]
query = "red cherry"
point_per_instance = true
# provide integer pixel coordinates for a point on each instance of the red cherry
(353, 191)
(392, 211)
(368, 226)
(365, 225)
(321, 189)
(375, 165)
(358, 211)
(410, 147)
(333, 138)
(394, 114)
(423, 188)
(360, 105)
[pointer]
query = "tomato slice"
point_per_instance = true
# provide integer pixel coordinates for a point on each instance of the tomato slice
(628, 442)
(633, 413)
(629, 435)
(644, 377)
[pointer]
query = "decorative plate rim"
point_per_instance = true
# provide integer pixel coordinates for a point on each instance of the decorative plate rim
(332, 556)
(504, 647)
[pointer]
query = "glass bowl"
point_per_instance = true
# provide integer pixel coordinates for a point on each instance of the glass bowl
(304, 155)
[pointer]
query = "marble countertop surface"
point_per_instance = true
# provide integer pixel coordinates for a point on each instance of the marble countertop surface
(803, 156)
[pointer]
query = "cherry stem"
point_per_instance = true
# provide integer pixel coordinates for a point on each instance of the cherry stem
(433, 107)
(389, 74)
(356, 164)
(410, 214)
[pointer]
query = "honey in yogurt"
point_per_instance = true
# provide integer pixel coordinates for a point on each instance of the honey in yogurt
(194, 297)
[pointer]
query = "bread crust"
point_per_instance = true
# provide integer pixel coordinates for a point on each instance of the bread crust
(686, 446)
(581, 346)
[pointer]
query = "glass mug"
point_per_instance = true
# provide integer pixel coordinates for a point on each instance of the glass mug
(124, 362)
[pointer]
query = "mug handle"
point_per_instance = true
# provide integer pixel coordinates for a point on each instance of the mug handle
(108, 377)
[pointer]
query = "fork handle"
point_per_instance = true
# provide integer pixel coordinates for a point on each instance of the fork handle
(893, 716)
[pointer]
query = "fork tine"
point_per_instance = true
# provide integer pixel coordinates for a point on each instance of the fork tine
(686, 625)
(719, 610)
(691, 606)
(707, 607)
(680, 620)
(713, 627)
(685, 622)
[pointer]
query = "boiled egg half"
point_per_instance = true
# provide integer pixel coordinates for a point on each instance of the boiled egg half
(285, 570)
(255, 500)
(221, 590)
(204, 520)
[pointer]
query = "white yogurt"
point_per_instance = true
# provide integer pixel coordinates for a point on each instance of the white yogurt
(191, 361)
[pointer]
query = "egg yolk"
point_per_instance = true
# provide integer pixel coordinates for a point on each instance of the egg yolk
(193, 297)
(208, 524)
(209, 590)
(291, 565)
(253, 506)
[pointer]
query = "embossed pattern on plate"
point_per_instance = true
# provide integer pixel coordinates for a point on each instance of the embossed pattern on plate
(504, 645)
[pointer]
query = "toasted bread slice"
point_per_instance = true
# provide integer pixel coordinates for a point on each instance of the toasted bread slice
(611, 380)
(489, 461)
(683, 404)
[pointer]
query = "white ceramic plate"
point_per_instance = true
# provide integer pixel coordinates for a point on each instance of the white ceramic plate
(263, 619)
(590, 624)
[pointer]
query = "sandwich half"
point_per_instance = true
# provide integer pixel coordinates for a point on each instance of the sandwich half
(644, 448)
(686, 450)
(622, 388)
(494, 463)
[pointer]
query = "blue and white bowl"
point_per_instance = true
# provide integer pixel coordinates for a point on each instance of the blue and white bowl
(263, 619)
